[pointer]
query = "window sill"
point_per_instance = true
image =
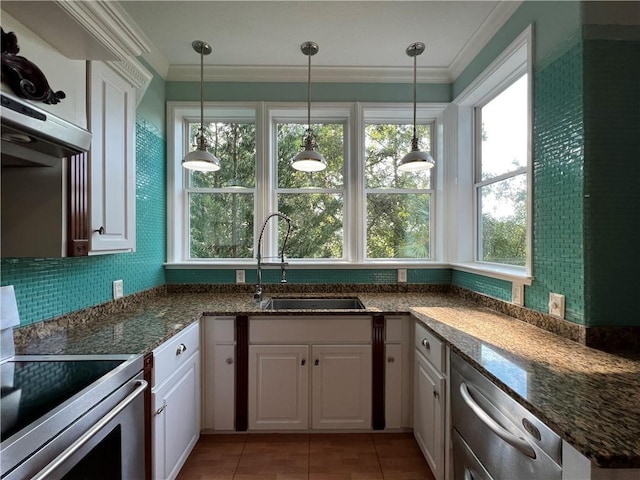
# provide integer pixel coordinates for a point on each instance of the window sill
(502, 272)
(293, 265)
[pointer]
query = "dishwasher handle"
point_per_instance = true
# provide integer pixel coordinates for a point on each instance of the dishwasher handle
(518, 443)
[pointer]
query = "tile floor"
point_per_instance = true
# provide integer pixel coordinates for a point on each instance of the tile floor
(382, 456)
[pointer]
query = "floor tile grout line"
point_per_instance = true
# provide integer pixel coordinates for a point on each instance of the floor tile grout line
(235, 471)
(375, 447)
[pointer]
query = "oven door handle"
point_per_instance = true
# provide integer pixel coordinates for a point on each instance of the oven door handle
(141, 386)
(518, 443)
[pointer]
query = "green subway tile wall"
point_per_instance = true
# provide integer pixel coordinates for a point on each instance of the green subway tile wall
(611, 179)
(313, 276)
(46, 288)
(558, 250)
(493, 287)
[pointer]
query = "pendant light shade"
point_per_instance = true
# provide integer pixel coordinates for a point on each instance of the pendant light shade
(309, 159)
(415, 160)
(201, 159)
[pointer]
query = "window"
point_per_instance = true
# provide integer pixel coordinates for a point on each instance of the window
(358, 210)
(313, 201)
(221, 205)
(398, 204)
(490, 195)
(501, 176)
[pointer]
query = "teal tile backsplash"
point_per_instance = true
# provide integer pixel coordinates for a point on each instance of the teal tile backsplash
(312, 276)
(558, 250)
(46, 288)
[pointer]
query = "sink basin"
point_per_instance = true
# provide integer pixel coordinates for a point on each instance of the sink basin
(306, 303)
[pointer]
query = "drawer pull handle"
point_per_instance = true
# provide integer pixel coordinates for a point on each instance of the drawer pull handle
(229, 361)
(161, 409)
(391, 360)
(181, 349)
(425, 343)
(303, 362)
(100, 231)
(317, 362)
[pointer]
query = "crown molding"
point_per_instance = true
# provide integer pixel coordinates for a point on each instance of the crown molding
(133, 72)
(95, 30)
(189, 73)
(109, 23)
(492, 24)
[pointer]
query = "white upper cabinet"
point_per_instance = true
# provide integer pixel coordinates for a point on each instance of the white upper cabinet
(112, 162)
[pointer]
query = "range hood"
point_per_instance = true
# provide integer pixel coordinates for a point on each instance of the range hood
(34, 137)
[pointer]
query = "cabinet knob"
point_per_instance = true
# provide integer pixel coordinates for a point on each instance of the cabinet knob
(391, 360)
(303, 362)
(317, 362)
(229, 361)
(435, 392)
(161, 409)
(425, 343)
(181, 349)
(100, 231)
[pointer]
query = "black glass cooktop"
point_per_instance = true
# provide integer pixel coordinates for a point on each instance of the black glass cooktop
(30, 389)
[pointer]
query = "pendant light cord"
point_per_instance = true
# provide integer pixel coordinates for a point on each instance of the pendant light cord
(414, 95)
(309, 94)
(202, 94)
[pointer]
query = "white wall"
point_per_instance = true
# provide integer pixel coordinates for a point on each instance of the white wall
(61, 72)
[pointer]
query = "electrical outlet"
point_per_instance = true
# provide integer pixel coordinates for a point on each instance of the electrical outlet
(517, 293)
(402, 275)
(556, 305)
(239, 276)
(118, 289)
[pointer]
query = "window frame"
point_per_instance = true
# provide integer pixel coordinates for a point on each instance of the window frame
(462, 205)
(399, 114)
(337, 113)
(478, 182)
(353, 115)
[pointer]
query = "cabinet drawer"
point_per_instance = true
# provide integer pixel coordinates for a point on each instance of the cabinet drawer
(173, 353)
(429, 346)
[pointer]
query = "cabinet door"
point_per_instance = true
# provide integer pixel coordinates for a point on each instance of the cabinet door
(428, 413)
(278, 387)
(224, 387)
(341, 386)
(176, 425)
(393, 386)
(112, 161)
(218, 372)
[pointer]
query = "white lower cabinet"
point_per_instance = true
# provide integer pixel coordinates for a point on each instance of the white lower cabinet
(429, 390)
(328, 389)
(219, 366)
(278, 387)
(318, 377)
(341, 387)
(175, 402)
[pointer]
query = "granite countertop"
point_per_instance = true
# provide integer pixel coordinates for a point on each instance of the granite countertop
(589, 397)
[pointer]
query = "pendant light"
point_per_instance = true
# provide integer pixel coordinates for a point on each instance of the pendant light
(415, 160)
(200, 159)
(309, 160)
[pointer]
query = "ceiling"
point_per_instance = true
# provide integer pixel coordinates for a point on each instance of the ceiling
(358, 40)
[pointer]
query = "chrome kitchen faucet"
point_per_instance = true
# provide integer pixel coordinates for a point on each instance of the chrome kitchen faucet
(283, 264)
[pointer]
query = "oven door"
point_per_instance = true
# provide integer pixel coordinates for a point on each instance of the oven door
(105, 443)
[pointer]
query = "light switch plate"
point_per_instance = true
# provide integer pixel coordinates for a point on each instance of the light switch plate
(402, 275)
(556, 305)
(240, 276)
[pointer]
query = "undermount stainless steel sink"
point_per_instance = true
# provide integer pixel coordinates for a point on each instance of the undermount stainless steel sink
(305, 303)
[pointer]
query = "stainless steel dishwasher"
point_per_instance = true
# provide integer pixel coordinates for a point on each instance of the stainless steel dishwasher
(494, 437)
